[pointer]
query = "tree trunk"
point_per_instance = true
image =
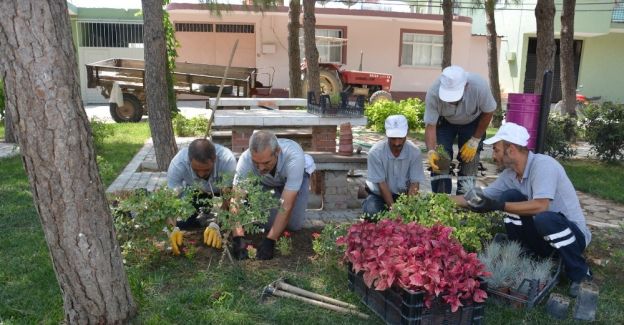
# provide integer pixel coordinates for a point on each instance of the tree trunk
(447, 23)
(311, 53)
(294, 53)
(9, 129)
(493, 60)
(546, 48)
(156, 97)
(37, 56)
(566, 57)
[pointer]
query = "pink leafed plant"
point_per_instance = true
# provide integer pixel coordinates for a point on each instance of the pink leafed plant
(391, 253)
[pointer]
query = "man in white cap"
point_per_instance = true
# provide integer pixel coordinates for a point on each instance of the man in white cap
(544, 213)
(458, 105)
(394, 168)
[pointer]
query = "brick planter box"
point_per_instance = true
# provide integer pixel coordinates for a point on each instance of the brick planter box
(400, 306)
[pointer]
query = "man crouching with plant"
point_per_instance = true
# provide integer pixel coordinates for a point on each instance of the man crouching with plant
(394, 167)
(545, 214)
(284, 170)
(202, 170)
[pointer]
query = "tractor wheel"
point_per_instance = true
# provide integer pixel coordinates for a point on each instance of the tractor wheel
(131, 111)
(379, 95)
(330, 84)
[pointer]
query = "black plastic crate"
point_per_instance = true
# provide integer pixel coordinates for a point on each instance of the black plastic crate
(325, 108)
(529, 293)
(400, 306)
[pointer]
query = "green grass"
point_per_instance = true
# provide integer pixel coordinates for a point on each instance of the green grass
(2, 129)
(597, 178)
(119, 148)
(177, 290)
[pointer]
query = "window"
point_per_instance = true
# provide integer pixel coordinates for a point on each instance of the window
(234, 28)
(192, 27)
(329, 43)
(421, 50)
(96, 34)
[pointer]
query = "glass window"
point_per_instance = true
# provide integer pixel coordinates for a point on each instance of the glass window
(329, 43)
(418, 50)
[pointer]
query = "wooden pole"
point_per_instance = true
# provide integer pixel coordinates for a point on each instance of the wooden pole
(214, 109)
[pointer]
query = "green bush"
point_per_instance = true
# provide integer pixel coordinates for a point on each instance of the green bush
(604, 130)
(412, 108)
(561, 131)
(324, 243)
(184, 127)
(100, 131)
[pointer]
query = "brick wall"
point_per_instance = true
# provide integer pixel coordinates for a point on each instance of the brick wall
(324, 138)
(240, 138)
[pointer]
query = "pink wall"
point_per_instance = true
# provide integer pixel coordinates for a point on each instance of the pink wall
(377, 34)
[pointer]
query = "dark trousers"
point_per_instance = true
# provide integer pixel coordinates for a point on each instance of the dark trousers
(446, 133)
(374, 204)
(200, 201)
(547, 232)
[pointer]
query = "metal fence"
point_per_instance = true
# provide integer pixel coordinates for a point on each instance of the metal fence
(106, 34)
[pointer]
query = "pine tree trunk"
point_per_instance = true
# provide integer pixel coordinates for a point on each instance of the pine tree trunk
(37, 55)
(566, 57)
(294, 53)
(311, 52)
(546, 48)
(9, 129)
(156, 95)
(493, 60)
(447, 23)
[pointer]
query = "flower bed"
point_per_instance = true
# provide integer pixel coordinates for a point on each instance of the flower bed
(391, 255)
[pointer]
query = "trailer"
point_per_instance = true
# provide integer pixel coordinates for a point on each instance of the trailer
(189, 78)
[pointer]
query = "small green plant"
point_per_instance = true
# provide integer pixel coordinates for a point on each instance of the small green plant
(250, 202)
(335, 99)
(413, 109)
(251, 252)
(427, 209)
(560, 133)
(324, 243)
(442, 152)
(106, 169)
(284, 244)
(184, 127)
(604, 130)
(100, 131)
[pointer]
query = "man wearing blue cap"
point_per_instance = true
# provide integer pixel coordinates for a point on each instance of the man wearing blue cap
(544, 212)
(394, 168)
(459, 105)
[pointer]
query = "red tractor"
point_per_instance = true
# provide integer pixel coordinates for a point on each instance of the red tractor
(335, 79)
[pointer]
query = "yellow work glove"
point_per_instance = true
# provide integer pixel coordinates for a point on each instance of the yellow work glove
(212, 235)
(469, 149)
(433, 157)
(176, 239)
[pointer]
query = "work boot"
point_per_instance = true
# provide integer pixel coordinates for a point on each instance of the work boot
(576, 285)
(239, 248)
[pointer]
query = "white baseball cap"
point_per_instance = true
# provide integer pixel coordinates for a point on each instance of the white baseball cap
(396, 126)
(452, 83)
(510, 132)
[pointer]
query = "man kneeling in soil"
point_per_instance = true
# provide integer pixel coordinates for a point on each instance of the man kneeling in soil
(284, 168)
(544, 211)
(197, 171)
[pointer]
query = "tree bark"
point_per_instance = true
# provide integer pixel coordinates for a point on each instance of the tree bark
(9, 129)
(447, 24)
(294, 52)
(546, 48)
(156, 95)
(566, 57)
(37, 55)
(311, 52)
(492, 50)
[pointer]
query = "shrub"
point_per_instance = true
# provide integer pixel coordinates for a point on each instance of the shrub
(413, 109)
(604, 130)
(561, 131)
(184, 127)
(324, 243)
(100, 131)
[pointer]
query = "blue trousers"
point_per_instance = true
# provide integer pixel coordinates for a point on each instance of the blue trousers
(374, 204)
(297, 215)
(446, 133)
(547, 232)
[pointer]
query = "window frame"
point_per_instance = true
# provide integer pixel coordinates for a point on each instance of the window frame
(419, 32)
(343, 29)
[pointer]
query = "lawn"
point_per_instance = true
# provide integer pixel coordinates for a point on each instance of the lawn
(198, 290)
(597, 178)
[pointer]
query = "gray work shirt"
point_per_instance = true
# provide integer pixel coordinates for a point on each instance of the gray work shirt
(180, 174)
(289, 170)
(397, 172)
(544, 178)
(477, 99)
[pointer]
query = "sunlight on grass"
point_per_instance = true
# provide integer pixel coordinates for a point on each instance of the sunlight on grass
(597, 178)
